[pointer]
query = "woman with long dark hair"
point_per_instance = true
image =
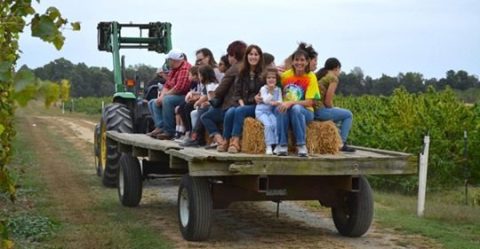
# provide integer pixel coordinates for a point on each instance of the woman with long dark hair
(247, 84)
(328, 82)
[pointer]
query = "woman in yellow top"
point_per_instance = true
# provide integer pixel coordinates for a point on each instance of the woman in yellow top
(328, 82)
(300, 91)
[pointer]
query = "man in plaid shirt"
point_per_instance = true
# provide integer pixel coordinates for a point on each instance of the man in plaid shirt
(172, 95)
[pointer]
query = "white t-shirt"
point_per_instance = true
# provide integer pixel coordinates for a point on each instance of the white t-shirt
(211, 88)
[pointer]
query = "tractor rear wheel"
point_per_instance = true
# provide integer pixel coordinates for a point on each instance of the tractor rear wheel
(116, 117)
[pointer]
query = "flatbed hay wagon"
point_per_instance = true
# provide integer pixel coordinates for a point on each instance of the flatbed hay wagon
(212, 180)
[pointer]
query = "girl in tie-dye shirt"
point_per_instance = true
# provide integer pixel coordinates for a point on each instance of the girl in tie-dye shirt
(300, 91)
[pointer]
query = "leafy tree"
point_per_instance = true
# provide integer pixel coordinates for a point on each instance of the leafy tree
(352, 83)
(413, 82)
(385, 85)
(14, 16)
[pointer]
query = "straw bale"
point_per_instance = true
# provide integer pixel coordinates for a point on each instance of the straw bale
(323, 138)
(253, 137)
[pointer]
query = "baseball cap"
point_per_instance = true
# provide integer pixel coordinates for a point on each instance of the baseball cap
(175, 54)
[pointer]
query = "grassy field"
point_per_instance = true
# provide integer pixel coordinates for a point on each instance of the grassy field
(45, 218)
(446, 220)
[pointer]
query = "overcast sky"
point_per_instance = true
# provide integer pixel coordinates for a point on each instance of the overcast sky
(379, 36)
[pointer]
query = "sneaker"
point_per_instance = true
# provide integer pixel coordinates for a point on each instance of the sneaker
(345, 148)
(275, 151)
(178, 135)
(180, 139)
(302, 151)
(282, 150)
(190, 143)
(268, 150)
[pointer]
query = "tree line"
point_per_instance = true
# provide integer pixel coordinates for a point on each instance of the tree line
(98, 81)
(356, 84)
(89, 81)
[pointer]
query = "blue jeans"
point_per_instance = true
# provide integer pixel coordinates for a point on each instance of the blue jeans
(298, 117)
(164, 115)
(228, 118)
(337, 115)
(211, 118)
(156, 114)
(269, 122)
(233, 120)
(241, 113)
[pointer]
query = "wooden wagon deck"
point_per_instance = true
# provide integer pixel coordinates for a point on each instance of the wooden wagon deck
(202, 162)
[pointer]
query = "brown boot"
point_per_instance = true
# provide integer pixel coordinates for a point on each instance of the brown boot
(234, 145)
(155, 132)
(222, 143)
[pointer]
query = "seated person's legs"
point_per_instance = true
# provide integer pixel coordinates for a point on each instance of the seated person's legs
(157, 117)
(282, 129)
(338, 115)
(228, 122)
(300, 116)
(168, 106)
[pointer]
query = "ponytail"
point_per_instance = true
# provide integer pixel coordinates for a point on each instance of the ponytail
(321, 73)
(330, 64)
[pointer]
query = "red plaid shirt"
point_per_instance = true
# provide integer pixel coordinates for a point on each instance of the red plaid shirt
(178, 79)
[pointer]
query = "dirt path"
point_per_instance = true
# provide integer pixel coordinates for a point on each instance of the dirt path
(243, 225)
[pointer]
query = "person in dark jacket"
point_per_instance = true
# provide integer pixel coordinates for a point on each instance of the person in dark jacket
(223, 94)
(247, 84)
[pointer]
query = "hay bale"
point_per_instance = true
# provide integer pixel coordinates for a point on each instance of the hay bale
(253, 137)
(323, 138)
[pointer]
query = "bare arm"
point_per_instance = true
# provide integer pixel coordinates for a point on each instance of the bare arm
(329, 95)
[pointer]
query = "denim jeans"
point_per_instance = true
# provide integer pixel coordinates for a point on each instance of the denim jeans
(337, 115)
(241, 113)
(156, 113)
(228, 118)
(211, 118)
(164, 115)
(269, 122)
(298, 117)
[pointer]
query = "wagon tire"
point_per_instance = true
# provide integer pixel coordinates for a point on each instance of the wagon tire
(353, 219)
(195, 208)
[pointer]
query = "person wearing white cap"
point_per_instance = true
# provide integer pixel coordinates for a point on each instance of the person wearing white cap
(172, 95)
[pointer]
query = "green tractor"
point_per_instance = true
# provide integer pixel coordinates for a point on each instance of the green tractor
(128, 113)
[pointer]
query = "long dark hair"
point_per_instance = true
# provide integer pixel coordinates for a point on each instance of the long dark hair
(330, 64)
(207, 73)
(208, 52)
(245, 68)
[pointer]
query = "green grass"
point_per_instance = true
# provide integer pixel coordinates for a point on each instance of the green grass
(449, 223)
(28, 223)
(35, 221)
(122, 226)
